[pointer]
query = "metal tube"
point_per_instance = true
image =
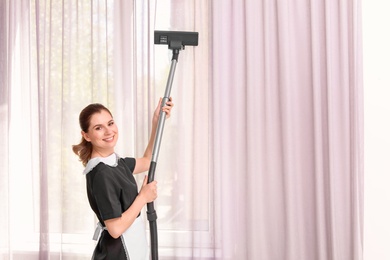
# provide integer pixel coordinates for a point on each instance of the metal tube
(162, 116)
(151, 213)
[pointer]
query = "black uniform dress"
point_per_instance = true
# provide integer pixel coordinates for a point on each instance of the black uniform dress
(111, 190)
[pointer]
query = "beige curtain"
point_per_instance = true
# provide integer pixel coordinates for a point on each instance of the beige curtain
(261, 158)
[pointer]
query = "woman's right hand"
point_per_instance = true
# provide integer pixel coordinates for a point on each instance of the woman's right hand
(148, 191)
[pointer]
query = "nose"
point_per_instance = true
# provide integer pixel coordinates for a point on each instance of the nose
(107, 131)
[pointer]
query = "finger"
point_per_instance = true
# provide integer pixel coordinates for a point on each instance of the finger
(169, 102)
(166, 109)
(167, 112)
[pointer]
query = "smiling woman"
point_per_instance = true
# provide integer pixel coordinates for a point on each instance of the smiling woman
(94, 121)
(103, 134)
(111, 187)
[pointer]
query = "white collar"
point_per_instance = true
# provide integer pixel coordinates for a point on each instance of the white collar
(111, 160)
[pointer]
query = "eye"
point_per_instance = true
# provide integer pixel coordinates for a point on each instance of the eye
(98, 128)
(111, 123)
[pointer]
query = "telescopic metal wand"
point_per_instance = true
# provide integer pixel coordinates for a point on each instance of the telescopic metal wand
(176, 41)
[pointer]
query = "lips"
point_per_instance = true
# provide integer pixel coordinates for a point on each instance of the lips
(110, 139)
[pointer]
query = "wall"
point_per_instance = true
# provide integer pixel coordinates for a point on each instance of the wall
(376, 68)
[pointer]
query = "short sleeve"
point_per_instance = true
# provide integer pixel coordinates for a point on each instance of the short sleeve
(130, 162)
(112, 189)
(107, 195)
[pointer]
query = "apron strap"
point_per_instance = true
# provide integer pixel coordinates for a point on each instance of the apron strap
(98, 230)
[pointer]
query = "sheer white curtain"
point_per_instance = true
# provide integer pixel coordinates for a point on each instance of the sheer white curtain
(261, 158)
(184, 206)
(56, 58)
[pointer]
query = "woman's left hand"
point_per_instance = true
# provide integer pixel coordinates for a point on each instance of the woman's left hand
(167, 109)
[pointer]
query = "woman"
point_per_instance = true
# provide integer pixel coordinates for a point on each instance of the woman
(111, 188)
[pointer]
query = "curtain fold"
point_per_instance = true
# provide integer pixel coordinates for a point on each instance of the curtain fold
(287, 126)
(261, 159)
(55, 59)
(4, 142)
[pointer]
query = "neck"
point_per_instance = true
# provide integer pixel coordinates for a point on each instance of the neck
(97, 153)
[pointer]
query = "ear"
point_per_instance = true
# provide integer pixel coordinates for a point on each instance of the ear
(85, 135)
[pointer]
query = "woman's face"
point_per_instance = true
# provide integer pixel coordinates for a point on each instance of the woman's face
(102, 133)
